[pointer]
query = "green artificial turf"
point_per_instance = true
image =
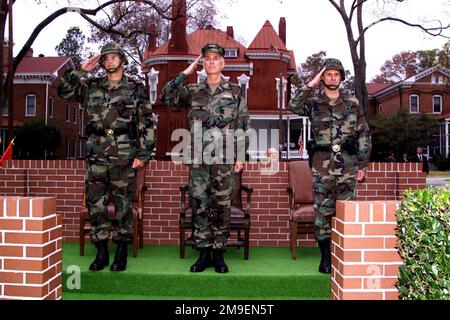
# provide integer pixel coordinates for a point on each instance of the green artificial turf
(159, 274)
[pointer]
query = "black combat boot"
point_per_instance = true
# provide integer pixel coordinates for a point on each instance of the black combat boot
(102, 257)
(219, 262)
(204, 261)
(120, 259)
(325, 261)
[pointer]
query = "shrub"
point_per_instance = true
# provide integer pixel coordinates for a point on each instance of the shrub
(424, 243)
(441, 162)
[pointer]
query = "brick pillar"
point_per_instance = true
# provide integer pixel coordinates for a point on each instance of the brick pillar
(30, 249)
(364, 255)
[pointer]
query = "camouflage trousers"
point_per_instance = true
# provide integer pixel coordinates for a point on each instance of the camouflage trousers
(326, 190)
(210, 190)
(118, 182)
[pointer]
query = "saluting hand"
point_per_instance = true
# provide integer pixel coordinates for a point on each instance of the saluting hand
(361, 175)
(238, 167)
(137, 164)
(91, 63)
(192, 67)
(316, 81)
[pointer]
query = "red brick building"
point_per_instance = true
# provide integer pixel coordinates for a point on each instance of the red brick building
(425, 92)
(255, 68)
(35, 97)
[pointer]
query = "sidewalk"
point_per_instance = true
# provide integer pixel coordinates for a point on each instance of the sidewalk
(438, 178)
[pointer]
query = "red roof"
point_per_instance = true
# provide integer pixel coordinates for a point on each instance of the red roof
(41, 65)
(373, 88)
(266, 38)
(444, 116)
(292, 65)
(198, 39)
(212, 35)
(193, 49)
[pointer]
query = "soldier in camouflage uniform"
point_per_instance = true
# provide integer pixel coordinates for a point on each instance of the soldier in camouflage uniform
(217, 107)
(340, 150)
(120, 139)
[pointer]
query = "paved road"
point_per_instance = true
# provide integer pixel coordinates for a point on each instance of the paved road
(438, 181)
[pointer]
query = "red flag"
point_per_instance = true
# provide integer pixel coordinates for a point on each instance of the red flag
(8, 153)
(300, 146)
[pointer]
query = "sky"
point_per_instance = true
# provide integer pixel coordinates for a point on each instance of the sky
(312, 26)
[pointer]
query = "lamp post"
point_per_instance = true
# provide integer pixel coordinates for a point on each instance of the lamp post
(280, 108)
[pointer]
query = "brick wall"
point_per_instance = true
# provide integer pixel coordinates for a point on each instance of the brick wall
(364, 255)
(30, 248)
(270, 226)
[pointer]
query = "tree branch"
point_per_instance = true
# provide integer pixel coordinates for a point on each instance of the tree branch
(84, 13)
(339, 9)
(429, 31)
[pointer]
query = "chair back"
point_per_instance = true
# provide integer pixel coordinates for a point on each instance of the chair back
(140, 181)
(236, 196)
(300, 180)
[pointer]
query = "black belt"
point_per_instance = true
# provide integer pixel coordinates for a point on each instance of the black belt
(109, 132)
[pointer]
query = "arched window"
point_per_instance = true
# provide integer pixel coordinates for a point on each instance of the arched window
(153, 78)
(50, 107)
(244, 82)
(283, 92)
(67, 112)
(201, 76)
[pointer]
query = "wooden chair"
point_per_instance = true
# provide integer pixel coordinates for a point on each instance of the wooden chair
(138, 219)
(239, 222)
(301, 211)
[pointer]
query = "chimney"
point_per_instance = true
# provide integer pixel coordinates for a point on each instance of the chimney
(282, 30)
(410, 70)
(152, 39)
(5, 51)
(29, 53)
(178, 43)
(230, 32)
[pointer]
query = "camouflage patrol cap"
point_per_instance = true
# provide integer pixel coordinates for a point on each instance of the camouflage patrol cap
(112, 47)
(335, 64)
(213, 47)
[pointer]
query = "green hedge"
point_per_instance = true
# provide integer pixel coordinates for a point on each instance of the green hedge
(424, 243)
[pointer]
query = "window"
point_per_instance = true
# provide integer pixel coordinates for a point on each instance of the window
(5, 109)
(441, 80)
(379, 108)
(67, 149)
(244, 82)
(231, 53)
(434, 79)
(74, 114)
(201, 76)
(67, 112)
(414, 103)
(437, 104)
(50, 107)
(283, 93)
(30, 109)
(80, 125)
(153, 85)
(74, 146)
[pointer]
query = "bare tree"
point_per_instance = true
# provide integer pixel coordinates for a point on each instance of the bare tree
(136, 16)
(353, 15)
(163, 11)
